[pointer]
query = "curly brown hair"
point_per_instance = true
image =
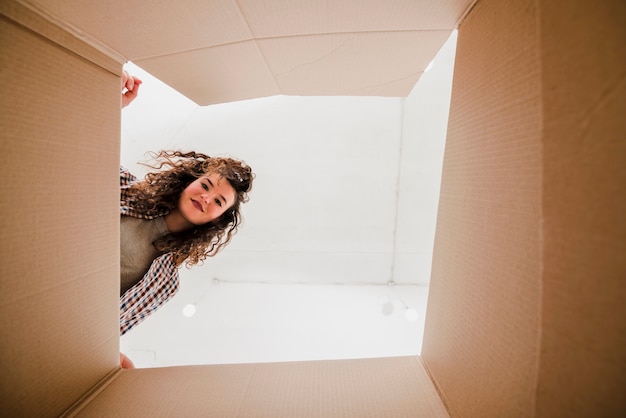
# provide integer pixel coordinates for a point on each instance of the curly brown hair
(158, 195)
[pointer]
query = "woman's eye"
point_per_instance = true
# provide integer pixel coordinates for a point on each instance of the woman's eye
(218, 202)
(204, 186)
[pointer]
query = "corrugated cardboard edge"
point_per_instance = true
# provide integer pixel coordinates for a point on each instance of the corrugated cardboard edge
(84, 400)
(61, 33)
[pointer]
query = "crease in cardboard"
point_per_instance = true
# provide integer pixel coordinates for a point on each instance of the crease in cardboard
(256, 44)
(604, 99)
(36, 19)
(315, 61)
(93, 393)
(466, 13)
(440, 393)
(245, 19)
(267, 65)
(386, 83)
(270, 38)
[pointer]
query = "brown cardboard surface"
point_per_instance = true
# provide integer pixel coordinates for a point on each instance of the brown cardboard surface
(28, 16)
(481, 340)
(58, 156)
(225, 50)
(387, 387)
(140, 31)
(167, 28)
(300, 66)
(308, 65)
(272, 19)
(583, 348)
(526, 312)
(246, 77)
(531, 234)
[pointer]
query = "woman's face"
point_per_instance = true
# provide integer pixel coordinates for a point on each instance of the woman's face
(206, 199)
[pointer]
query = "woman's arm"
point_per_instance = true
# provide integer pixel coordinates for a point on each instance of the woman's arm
(159, 285)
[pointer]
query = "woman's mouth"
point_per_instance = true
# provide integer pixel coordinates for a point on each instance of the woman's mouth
(197, 205)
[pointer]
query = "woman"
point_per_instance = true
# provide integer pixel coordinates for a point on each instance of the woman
(182, 213)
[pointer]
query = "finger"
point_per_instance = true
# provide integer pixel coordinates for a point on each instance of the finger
(130, 90)
(125, 77)
(136, 83)
(130, 83)
(129, 96)
(135, 90)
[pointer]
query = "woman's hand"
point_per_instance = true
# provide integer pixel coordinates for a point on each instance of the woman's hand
(130, 88)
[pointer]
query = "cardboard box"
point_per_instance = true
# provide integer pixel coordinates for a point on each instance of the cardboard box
(526, 310)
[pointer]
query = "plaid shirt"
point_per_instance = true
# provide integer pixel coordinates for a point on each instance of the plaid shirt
(158, 285)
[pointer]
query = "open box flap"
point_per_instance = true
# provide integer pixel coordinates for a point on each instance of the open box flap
(226, 50)
(380, 387)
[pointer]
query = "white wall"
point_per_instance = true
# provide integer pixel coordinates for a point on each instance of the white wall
(239, 323)
(346, 192)
(323, 201)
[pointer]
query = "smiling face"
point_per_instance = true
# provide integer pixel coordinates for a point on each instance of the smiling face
(202, 201)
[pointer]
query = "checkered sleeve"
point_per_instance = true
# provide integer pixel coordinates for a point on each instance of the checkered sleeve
(126, 181)
(158, 286)
(126, 177)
